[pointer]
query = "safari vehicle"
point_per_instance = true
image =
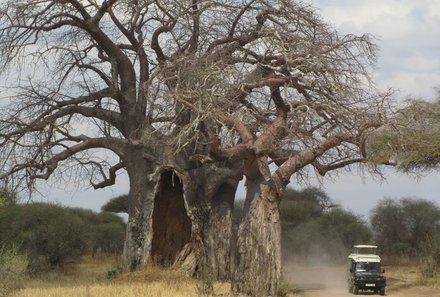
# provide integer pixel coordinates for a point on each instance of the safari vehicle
(365, 272)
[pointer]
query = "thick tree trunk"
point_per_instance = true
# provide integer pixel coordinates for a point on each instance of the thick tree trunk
(138, 238)
(219, 233)
(181, 216)
(209, 196)
(258, 252)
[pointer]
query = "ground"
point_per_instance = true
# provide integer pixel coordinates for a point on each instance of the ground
(97, 278)
(329, 281)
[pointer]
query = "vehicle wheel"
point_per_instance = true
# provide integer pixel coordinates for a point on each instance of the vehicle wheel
(356, 290)
(382, 292)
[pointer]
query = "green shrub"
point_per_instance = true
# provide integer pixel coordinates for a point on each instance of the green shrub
(283, 289)
(52, 235)
(13, 266)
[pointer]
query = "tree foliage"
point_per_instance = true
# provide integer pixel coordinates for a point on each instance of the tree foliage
(405, 226)
(327, 238)
(316, 229)
(412, 142)
(118, 204)
(13, 268)
(52, 235)
(298, 207)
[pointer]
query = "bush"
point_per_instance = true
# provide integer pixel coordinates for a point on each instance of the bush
(403, 227)
(430, 254)
(13, 266)
(52, 235)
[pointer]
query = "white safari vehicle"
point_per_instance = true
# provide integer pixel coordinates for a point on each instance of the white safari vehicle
(365, 272)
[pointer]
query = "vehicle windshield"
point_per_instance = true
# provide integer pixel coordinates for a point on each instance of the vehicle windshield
(372, 267)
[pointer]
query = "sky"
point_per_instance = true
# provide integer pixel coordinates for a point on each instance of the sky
(408, 34)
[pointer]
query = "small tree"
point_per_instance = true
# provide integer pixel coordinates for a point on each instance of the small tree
(430, 252)
(316, 229)
(13, 268)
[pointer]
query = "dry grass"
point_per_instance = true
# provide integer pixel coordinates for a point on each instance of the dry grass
(402, 277)
(89, 271)
(89, 279)
(154, 289)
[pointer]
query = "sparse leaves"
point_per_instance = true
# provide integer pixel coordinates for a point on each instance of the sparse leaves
(412, 142)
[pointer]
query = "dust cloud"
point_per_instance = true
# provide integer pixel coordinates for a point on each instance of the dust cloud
(321, 266)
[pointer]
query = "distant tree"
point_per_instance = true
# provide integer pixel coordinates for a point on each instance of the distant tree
(299, 206)
(404, 226)
(344, 227)
(312, 223)
(118, 204)
(52, 235)
(328, 235)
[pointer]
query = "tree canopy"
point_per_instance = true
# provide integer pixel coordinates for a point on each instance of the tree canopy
(121, 74)
(405, 226)
(117, 204)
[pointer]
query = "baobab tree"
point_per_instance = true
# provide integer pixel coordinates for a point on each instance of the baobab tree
(101, 76)
(188, 96)
(297, 98)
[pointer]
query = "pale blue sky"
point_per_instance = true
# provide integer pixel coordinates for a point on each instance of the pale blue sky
(408, 34)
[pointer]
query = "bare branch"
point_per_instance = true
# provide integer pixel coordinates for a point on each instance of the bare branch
(111, 179)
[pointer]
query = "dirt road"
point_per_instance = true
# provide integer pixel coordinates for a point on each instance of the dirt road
(324, 281)
(409, 292)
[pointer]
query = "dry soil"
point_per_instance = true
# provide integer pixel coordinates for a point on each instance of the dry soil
(330, 281)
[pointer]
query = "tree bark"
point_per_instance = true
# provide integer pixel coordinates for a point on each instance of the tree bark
(258, 251)
(143, 187)
(181, 217)
(209, 195)
(171, 224)
(219, 233)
